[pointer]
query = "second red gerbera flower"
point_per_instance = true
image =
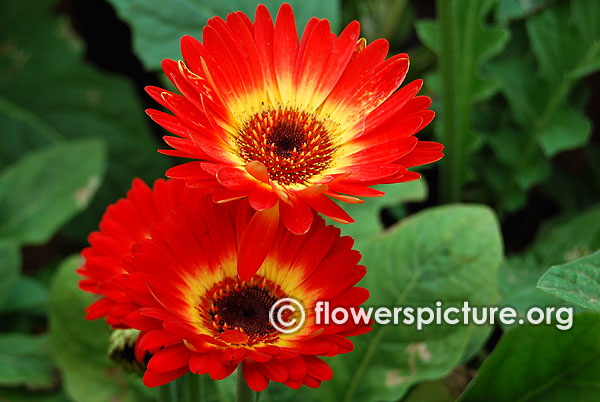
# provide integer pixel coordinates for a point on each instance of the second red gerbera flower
(174, 265)
(290, 122)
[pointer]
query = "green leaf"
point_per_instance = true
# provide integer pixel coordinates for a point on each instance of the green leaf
(24, 395)
(367, 215)
(542, 363)
(448, 253)
(47, 187)
(48, 94)
(476, 42)
(10, 266)
(577, 281)
(516, 9)
(434, 391)
(463, 42)
(80, 346)
(25, 360)
(560, 241)
(28, 296)
(157, 28)
(566, 39)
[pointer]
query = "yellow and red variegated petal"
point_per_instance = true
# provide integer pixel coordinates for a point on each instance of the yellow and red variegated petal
(339, 57)
(264, 37)
(312, 60)
(225, 66)
(382, 146)
(243, 32)
(391, 107)
(358, 70)
(334, 266)
(367, 94)
(298, 257)
(285, 52)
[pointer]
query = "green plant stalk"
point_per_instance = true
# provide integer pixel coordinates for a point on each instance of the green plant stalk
(167, 393)
(191, 388)
(243, 391)
(450, 131)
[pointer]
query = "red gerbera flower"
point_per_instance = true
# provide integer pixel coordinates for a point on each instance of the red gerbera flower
(273, 118)
(124, 224)
(199, 313)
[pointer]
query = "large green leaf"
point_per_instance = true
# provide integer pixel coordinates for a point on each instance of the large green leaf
(577, 281)
(159, 26)
(80, 346)
(367, 216)
(27, 295)
(448, 253)
(10, 265)
(48, 94)
(558, 242)
(25, 360)
(47, 187)
(542, 363)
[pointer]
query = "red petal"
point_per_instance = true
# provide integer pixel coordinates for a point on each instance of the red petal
(252, 254)
(170, 359)
(329, 208)
(216, 369)
(199, 363)
(262, 197)
(254, 378)
(274, 370)
(317, 368)
(297, 218)
(285, 50)
(235, 178)
(154, 379)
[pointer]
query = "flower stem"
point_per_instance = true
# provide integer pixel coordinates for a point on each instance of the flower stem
(451, 133)
(243, 391)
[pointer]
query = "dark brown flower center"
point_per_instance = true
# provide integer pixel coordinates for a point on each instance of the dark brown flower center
(244, 307)
(294, 146)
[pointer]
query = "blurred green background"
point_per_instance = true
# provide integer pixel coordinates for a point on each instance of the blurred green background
(516, 89)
